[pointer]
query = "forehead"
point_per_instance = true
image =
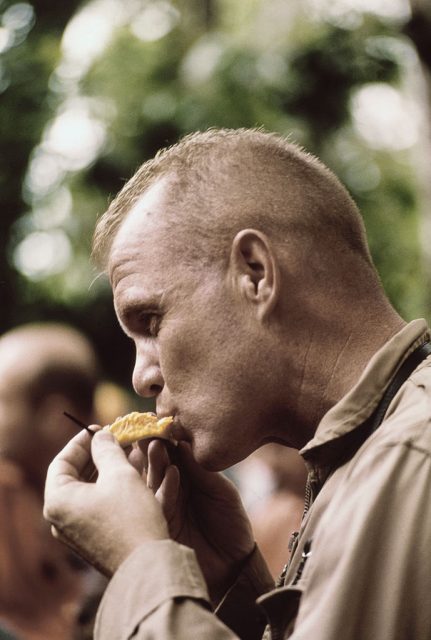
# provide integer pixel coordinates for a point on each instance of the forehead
(142, 261)
(141, 232)
(17, 367)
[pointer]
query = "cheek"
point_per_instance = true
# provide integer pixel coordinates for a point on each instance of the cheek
(180, 357)
(15, 416)
(198, 354)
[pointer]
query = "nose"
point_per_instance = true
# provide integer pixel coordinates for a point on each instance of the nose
(147, 376)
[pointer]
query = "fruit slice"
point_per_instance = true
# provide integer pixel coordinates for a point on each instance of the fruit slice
(137, 426)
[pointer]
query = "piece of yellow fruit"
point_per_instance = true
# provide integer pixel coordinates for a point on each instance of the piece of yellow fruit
(137, 426)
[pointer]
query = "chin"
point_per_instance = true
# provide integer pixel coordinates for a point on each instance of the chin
(207, 460)
(212, 459)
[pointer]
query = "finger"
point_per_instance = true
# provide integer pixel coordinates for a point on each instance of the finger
(137, 459)
(198, 475)
(143, 446)
(145, 443)
(58, 534)
(70, 463)
(107, 454)
(89, 472)
(158, 461)
(95, 427)
(64, 495)
(187, 460)
(168, 492)
(170, 486)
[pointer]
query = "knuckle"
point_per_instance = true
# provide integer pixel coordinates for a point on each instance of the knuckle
(52, 511)
(55, 532)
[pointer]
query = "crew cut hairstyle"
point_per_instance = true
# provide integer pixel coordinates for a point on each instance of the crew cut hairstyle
(223, 180)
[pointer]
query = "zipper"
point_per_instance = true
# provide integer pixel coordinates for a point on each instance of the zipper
(307, 497)
(306, 553)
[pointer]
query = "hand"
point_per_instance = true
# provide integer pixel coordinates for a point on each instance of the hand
(204, 511)
(106, 520)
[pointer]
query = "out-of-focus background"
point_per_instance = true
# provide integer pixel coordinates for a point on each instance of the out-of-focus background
(89, 90)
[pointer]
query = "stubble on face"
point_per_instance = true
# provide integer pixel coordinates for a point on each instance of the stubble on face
(206, 349)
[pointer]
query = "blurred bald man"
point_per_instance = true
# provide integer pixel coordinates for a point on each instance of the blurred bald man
(45, 369)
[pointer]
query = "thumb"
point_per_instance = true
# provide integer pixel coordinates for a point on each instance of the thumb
(106, 452)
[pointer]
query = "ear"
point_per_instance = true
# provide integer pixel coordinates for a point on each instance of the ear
(254, 270)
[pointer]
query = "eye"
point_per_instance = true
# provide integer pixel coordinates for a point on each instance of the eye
(149, 324)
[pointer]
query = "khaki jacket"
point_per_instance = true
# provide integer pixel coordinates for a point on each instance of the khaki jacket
(361, 565)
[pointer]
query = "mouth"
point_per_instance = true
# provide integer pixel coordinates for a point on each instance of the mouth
(176, 429)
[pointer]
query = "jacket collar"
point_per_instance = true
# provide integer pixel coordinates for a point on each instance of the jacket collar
(359, 403)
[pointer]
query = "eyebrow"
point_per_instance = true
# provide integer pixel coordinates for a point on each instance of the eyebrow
(131, 308)
(115, 267)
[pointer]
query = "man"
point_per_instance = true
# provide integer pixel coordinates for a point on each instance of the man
(240, 269)
(45, 369)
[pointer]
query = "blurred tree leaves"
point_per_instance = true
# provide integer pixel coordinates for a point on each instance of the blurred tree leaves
(323, 75)
(215, 64)
(29, 53)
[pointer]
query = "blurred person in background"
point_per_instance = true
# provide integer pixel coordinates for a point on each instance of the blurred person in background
(272, 482)
(45, 369)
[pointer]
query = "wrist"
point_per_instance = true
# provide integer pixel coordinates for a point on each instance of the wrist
(218, 592)
(121, 547)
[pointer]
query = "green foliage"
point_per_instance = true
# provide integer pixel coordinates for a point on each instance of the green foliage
(323, 74)
(217, 65)
(26, 62)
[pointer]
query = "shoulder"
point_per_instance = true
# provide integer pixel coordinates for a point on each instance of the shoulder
(408, 421)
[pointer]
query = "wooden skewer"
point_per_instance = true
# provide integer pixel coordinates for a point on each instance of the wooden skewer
(90, 471)
(79, 423)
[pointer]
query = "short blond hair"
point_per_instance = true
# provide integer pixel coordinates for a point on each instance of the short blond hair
(237, 178)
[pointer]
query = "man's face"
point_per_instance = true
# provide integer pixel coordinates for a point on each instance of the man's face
(31, 432)
(195, 348)
(15, 407)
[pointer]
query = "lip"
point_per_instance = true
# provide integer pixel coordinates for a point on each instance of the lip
(166, 414)
(176, 429)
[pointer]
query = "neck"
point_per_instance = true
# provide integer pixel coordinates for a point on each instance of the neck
(334, 362)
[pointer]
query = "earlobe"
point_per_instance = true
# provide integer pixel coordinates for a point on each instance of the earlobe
(254, 270)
